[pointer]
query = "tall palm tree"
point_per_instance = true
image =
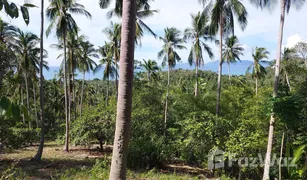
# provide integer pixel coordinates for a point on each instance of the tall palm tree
(199, 33)
(110, 70)
(151, 67)
(285, 68)
(285, 6)
(86, 63)
(59, 12)
(232, 51)
(222, 20)
(258, 71)
(143, 11)
(113, 33)
(169, 56)
(124, 103)
(38, 155)
(25, 46)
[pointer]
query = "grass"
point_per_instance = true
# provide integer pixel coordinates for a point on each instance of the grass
(78, 164)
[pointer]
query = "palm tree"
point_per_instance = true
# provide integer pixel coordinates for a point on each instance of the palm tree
(59, 13)
(25, 46)
(110, 70)
(285, 67)
(222, 20)
(86, 63)
(232, 51)
(113, 33)
(199, 33)
(258, 71)
(169, 56)
(124, 103)
(285, 6)
(143, 11)
(39, 153)
(151, 67)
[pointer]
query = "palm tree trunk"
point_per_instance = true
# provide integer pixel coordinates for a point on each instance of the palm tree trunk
(288, 81)
(219, 71)
(196, 74)
(116, 82)
(82, 91)
(108, 86)
(124, 103)
(34, 98)
(275, 91)
(23, 114)
(39, 153)
(66, 147)
(256, 88)
(27, 94)
(166, 99)
(280, 156)
(228, 70)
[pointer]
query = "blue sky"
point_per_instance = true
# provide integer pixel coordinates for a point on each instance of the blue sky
(262, 28)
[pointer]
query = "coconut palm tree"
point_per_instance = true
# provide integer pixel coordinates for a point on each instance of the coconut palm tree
(143, 11)
(59, 12)
(151, 67)
(113, 33)
(124, 103)
(285, 6)
(38, 155)
(107, 61)
(258, 71)
(199, 33)
(232, 51)
(25, 46)
(223, 13)
(285, 66)
(86, 63)
(169, 56)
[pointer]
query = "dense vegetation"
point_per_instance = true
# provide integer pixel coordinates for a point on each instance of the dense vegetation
(178, 116)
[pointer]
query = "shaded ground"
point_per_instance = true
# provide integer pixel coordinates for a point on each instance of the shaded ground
(56, 162)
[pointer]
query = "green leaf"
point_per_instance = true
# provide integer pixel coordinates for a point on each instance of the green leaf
(5, 103)
(8, 9)
(29, 5)
(1, 5)
(14, 10)
(15, 111)
(25, 14)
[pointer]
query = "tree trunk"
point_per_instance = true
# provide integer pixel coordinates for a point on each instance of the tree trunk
(27, 94)
(196, 74)
(228, 70)
(219, 71)
(166, 99)
(275, 92)
(256, 88)
(82, 91)
(124, 103)
(39, 153)
(108, 86)
(280, 157)
(23, 114)
(66, 147)
(288, 81)
(101, 145)
(35, 111)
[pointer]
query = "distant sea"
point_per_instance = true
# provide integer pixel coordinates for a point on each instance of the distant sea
(235, 69)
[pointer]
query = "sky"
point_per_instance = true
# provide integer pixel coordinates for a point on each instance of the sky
(262, 29)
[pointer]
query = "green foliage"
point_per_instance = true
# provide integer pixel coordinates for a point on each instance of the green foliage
(13, 9)
(96, 124)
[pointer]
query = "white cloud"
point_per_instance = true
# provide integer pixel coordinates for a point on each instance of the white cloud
(293, 40)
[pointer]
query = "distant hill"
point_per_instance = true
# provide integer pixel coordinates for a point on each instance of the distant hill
(235, 69)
